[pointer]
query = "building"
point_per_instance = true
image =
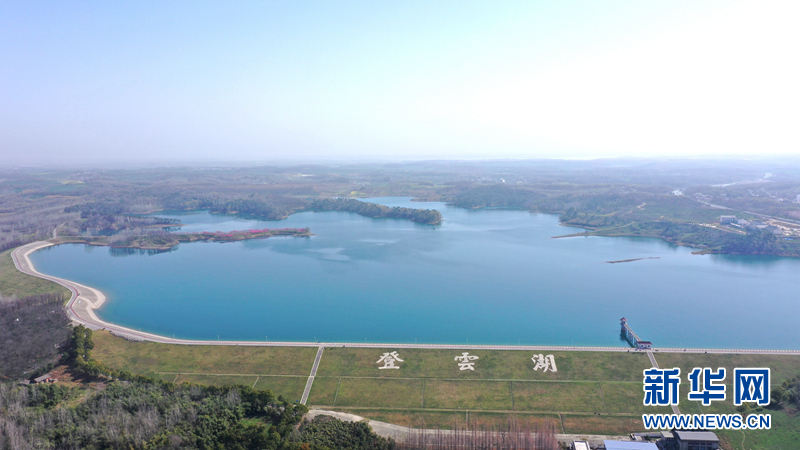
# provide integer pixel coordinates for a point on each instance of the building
(727, 219)
(688, 440)
(580, 445)
(627, 332)
(667, 441)
(46, 378)
(696, 440)
(629, 445)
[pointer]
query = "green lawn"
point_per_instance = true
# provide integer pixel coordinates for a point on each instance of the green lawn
(782, 367)
(538, 396)
(492, 364)
(216, 380)
(591, 392)
(151, 357)
(291, 388)
(14, 282)
(380, 392)
(489, 395)
(626, 398)
(785, 433)
(324, 391)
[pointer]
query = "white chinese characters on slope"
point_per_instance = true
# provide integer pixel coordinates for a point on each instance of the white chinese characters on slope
(465, 363)
(544, 362)
(388, 360)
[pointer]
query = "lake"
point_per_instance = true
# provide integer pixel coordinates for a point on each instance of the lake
(488, 276)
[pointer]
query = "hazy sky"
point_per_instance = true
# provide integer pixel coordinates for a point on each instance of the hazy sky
(170, 81)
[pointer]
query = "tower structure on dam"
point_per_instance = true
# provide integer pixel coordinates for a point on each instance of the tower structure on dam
(632, 337)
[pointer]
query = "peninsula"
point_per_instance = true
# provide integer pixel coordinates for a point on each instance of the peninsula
(166, 241)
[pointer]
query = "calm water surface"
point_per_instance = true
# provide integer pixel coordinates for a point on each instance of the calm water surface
(483, 276)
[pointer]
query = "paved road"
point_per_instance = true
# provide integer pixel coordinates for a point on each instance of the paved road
(764, 216)
(310, 381)
(652, 357)
(399, 433)
(85, 300)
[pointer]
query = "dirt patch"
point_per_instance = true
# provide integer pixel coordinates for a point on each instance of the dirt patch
(70, 378)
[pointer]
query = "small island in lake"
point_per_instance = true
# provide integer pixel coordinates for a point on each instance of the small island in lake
(631, 260)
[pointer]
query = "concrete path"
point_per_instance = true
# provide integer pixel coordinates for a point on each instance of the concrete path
(652, 357)
(86, 299)
(310, 381)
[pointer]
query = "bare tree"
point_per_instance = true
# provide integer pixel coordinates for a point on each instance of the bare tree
(511, 435)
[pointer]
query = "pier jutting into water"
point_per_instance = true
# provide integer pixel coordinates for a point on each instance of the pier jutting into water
(632, 337)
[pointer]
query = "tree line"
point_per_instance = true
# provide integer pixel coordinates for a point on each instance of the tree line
(760, 242)
(495, 195)
(146, 415)
(428, 216)
(33, 332)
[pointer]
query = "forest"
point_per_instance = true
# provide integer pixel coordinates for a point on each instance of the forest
(33, 330)
(367, 209)
(159, 240)
(141, 415)
(134, 411)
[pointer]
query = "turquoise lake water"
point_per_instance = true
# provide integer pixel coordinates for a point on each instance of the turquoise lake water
(485, 276)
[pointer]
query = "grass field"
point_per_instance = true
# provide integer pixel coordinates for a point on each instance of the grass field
(14, 282)
(496, 365)
(591, 392)
(785, 432)
(283, 370)
(585, 382)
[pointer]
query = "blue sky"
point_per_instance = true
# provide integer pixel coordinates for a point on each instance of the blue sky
(327, 80)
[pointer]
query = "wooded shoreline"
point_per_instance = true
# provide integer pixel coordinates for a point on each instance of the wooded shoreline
(166, 241)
